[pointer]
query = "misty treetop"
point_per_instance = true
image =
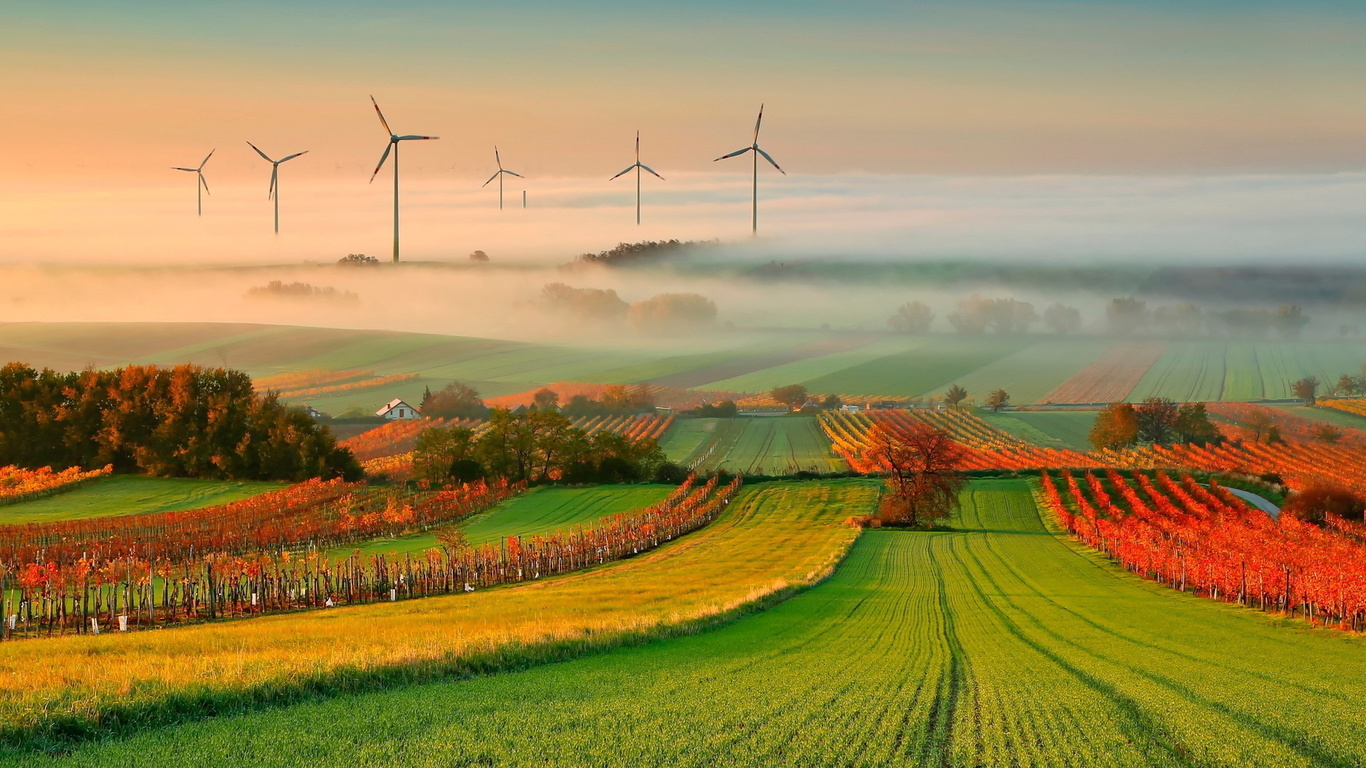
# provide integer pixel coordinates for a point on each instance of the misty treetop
(279, 289)
(185, 421)
(644, 252)
(665, 313)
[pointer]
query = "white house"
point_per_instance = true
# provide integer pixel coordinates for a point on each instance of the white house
(397, 409)
(313, 413)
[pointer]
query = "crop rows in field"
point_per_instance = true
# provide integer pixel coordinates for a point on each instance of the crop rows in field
(990, 645)
(987, 447)
(794, 527)
(1109, 379)
(772, 445)
(132, 495)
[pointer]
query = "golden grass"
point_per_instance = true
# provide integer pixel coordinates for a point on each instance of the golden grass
(773, 537)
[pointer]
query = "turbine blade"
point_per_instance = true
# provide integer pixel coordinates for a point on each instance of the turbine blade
(382, 121)
(205, 183)
(178, 168)
(771, 160)
(410, 138)
(263, 155)
(382, 158)
(629, 168)
(736, 153)
(274, 172)
(206, 160)
(514, 173)
(491, 178)
(651, 170)
(757, 122)
(291, 157)
(497, 159)
(637, 146)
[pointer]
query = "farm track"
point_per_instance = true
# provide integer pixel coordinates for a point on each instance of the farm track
(994, 645)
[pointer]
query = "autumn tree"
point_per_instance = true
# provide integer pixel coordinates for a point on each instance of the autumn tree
(587, 304)
(997, 400)
(911, 317)
(1062, 319)
(1326, 433)
(955, 395)
(1320, 499)
(545, 399)
(438, 451)
(1306, 389)
(1193, 425)
(923, 466)
(454, 401)
(1116, 426)
(357, 260)
(793, 396)
(1347, 386)
(1157, 420)
(1289, 321)
(479, 257)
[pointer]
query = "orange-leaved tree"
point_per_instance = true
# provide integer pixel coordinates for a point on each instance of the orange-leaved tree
(923, 466)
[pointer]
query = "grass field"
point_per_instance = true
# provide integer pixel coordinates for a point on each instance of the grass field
(1054, 429)
(1330, 415)
(1214, 370)
(129, 495)
(540, 510)
(997, 644)
(938, 363)
(772, 537)
(766, 445)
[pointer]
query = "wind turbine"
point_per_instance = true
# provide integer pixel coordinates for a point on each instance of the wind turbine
(499, 177)
(754, 221)
(394, 139)
(638, 168)
(274, 193)
(198, 192)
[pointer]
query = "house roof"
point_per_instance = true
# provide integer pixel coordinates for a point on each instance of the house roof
(396, 402)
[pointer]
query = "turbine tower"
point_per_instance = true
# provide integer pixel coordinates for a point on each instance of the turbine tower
(274, 193)
(394, 139)
(202, 186)
(638, 168)
(754, 218)
(499, 177)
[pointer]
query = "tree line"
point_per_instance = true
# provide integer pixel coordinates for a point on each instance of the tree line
(538, 446)
(185, 421)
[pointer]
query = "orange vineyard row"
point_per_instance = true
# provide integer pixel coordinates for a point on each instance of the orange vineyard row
(18, 484)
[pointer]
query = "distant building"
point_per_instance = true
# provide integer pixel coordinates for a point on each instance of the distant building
(849, 408)
(313, 413)
(397, 409)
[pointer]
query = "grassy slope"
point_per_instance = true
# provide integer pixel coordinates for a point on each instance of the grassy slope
(1243, 370)
(1330, 415)
(127, 495)
(772, 536)
(804, 371)
(995, 645)
(1031, 372)
(540, 510)
(767, 445)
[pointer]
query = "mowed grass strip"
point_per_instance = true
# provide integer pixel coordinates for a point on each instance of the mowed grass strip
(538, 511)
(997, 644)
(131, 495)
(772, 538)
(1053, 429)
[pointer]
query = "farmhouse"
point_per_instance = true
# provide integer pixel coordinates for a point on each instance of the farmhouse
(397, 409)
(313, 413)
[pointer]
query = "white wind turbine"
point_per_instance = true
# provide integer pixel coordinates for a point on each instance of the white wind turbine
(274, 193)
(394, 139)
(638, 168)
(499, 177)
(754, 220)
(202, 186)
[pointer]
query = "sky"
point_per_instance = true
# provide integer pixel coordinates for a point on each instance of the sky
(1063, 110)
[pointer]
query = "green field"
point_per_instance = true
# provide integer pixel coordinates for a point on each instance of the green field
(1214, 370)
(130, 495)
(1330, 415)
(1054, 429)
(938, 363)
(760, 445)
(539, 510)
(997, 644)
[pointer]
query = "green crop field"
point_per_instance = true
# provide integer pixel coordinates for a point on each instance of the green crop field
(1031, 372)
(1054, 429)
(762, 445)
(812, 368)
(129, 495)
(539, 510)
(997, 644)
(919, 371)
(1214, 370)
